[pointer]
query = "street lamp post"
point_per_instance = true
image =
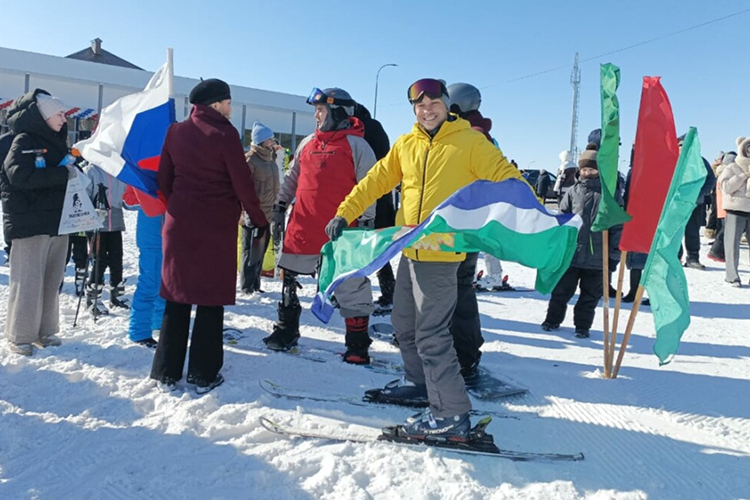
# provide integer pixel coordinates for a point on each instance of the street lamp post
(375, 107)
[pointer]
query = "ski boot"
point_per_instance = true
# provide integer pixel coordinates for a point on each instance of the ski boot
(115, 292)
(425, 425)
(399, 392)
(383, 306)
(286, 330)
(357, 341)
(93, 303)
(79, 278)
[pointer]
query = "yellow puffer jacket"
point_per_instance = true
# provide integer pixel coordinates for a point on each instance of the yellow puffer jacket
(429, 170)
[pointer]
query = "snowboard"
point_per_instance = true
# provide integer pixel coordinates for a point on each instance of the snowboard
(480, 443)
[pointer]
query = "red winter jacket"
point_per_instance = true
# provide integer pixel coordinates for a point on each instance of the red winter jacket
(325, 169)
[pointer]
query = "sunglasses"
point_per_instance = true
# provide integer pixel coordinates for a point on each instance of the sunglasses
(434, 89)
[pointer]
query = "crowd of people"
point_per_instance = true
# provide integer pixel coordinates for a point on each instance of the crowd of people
(213, 188)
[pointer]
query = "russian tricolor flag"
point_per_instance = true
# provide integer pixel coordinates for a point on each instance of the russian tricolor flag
(128, 139)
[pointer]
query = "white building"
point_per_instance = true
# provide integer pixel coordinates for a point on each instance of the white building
(93, 78)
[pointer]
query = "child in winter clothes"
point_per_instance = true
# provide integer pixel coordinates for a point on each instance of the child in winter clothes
(108, 244)
(147, 310)
(586, 268)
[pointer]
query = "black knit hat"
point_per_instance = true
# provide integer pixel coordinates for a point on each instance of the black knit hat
(210, 91)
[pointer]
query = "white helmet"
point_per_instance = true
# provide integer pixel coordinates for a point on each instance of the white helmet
(464, 98)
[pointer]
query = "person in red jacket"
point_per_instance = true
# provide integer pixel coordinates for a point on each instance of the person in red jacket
(326, 167)
(205, 180)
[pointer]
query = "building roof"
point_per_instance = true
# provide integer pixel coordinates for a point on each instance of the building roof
(96, 54)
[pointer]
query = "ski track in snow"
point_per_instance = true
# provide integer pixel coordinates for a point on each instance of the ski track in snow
(83, 421)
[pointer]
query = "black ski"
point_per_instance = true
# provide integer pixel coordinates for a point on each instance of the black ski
(480, 443)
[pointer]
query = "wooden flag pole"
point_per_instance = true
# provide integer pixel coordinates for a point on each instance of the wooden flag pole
(628, 329)
(618, 300)
(605, 281)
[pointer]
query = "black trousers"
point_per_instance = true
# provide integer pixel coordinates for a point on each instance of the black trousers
(465, 326)
(79, 249)
(253, 252)
(591, 286)
(693, 234)
(206, 349)
(109, 255)
(717, 247)
(712, 219)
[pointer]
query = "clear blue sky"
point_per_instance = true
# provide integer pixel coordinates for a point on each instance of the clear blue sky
(294, 45)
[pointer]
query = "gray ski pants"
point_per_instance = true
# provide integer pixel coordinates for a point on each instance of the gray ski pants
(37, 265)
(734, 226)
(423, 305)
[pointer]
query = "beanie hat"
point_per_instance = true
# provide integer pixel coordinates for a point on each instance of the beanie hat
(588, 157)
(261, 133)
(595, 137)
(210, 91)
(49, 106)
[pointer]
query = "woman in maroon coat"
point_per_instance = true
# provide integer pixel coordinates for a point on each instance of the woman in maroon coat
(204, 177)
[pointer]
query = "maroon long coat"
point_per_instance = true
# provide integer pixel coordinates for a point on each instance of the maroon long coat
(203, 175)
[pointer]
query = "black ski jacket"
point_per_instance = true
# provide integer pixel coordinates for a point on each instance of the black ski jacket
(32, 197)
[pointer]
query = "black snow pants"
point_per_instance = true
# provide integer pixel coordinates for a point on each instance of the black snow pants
(591, 286)
(465, 326)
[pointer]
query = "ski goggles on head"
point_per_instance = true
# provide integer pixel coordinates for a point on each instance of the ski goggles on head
(317, 96)
(435, 89)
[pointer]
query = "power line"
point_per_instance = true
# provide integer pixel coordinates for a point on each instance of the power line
(639, 44)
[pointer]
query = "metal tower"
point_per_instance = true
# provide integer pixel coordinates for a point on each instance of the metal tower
(575, 80)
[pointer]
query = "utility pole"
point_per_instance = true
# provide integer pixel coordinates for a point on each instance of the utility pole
(377, 76)
(575, 81)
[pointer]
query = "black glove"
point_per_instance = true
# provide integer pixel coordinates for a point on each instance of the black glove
(336, 227)
(278, 220)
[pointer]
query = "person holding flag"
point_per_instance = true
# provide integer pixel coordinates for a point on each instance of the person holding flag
(327, 165)
(205, 181)
(33, 180)
(439, 156)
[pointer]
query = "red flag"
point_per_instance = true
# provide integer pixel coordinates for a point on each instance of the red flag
(654, 161)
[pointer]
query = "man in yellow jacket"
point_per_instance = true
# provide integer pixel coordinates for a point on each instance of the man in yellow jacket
(441, 155)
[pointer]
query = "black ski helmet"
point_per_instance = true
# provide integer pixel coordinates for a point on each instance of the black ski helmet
(464, 98)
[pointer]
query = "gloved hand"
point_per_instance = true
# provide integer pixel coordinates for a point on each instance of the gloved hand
(278, 220)
(336, 227)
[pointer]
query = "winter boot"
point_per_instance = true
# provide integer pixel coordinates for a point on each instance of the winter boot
(548, 326)
(115, 292)
(286, 330)
(582, 333)
(80, 276)
(425, 424)
(357, 340)
(635, 280)
(93, 304)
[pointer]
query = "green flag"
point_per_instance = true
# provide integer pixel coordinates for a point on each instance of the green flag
(663, 277)
(610, 212)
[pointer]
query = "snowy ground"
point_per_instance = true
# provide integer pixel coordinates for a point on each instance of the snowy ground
(83, 421)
